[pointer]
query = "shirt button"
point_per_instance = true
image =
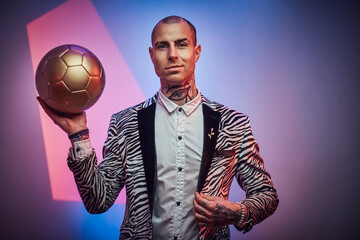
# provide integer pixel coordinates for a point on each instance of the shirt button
(179, 137)
(179, 109)
(180, 169)
(178, 203)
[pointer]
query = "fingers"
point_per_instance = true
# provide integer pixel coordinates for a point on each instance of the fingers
(202, 221)
(201, 206)
(70, 123)
(199, 211)
(201, 217)
(203, 210)
(214, 211)
(48, 110)
(43, 104)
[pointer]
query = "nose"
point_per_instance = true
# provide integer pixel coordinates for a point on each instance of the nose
(173, 53)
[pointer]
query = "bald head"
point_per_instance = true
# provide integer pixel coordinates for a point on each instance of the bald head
(174, 19)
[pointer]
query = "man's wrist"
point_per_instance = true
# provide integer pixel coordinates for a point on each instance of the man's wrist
(242, 213)
(243, 217)
(79, 135)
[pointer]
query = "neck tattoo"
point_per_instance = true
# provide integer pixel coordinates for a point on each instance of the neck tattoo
(180, 94)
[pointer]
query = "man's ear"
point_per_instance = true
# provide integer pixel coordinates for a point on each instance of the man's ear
(151, 53)
(197, 52)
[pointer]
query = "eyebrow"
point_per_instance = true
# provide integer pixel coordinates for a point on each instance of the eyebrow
(181, 40)
(161, 42)
(176, 41)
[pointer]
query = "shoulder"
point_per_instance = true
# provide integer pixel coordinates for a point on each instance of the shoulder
(226, 114)
(133, 110)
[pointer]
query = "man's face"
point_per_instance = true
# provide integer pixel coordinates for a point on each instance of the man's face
(174, 53)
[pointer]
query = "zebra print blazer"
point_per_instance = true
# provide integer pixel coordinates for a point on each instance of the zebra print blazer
(129, 160)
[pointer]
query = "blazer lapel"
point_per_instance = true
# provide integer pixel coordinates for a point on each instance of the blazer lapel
(146, 121)
(211, 129)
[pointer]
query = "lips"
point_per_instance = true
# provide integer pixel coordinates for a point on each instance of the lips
(174, 67)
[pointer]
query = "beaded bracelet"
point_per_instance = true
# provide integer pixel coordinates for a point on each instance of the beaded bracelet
(242, 214)
(78, 134)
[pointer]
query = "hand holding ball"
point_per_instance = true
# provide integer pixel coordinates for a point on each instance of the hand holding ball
(70, 79)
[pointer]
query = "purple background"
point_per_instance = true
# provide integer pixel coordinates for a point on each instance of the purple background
(291, 66)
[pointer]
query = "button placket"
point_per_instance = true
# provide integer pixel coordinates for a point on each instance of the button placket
(180, 158)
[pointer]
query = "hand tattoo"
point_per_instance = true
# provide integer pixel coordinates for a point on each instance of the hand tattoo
(203, 204)
(225, 215)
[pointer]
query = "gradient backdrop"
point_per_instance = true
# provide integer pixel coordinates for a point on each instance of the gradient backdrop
(292, 66)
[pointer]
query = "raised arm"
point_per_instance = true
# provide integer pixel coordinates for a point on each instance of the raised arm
(98, 185)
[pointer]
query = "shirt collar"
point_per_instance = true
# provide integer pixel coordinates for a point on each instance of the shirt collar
(188, 108)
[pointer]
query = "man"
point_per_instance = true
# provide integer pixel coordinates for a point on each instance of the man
(176, 154)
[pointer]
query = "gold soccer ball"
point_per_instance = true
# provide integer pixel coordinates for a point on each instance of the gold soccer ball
(70, 79)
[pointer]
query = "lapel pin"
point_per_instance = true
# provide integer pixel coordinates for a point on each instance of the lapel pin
(211, 133)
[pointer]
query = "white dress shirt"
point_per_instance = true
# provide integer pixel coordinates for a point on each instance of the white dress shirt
(179, 145)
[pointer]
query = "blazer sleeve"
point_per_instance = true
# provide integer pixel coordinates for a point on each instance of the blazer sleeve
(99, 185)
(261, 196)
